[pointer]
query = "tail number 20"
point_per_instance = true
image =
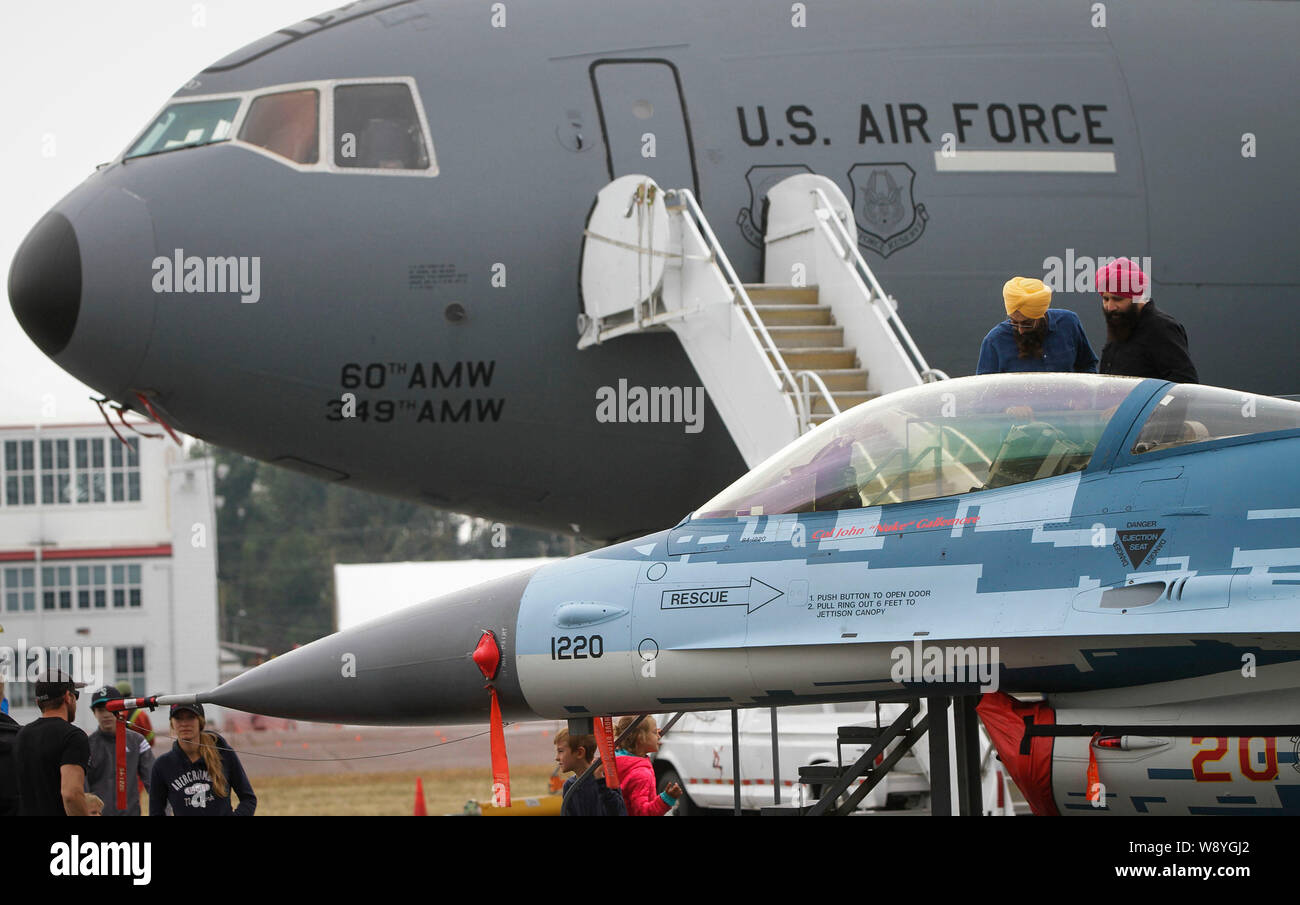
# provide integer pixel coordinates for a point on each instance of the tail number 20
(577, 648)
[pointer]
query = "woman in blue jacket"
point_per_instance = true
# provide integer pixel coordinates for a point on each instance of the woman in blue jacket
(198, 774)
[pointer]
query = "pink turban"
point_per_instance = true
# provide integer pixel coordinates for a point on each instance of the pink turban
(1121, 277)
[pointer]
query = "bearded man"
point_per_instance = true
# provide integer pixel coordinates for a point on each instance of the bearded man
(1140, 341)
(1033, 337)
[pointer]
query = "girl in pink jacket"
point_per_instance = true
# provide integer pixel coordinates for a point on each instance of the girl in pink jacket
(636, 775)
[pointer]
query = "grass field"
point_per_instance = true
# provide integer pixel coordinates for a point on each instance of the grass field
(391, 794)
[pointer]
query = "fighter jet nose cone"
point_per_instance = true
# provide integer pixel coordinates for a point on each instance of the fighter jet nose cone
(45, 283)
(412, 667)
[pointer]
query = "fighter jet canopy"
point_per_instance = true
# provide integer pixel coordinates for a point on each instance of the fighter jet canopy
(979, 433)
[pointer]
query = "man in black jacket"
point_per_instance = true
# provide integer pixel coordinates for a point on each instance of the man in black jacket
(1140, 341)
(8, 768)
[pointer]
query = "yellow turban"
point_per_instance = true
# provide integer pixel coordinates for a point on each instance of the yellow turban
(1028, 296)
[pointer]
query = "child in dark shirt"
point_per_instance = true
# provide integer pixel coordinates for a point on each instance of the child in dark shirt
(594, 798)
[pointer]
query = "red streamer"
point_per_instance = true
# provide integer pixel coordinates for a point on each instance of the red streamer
(1094, 774)
(119, 731)
(604, 726)
(487, 656)
(500, 766)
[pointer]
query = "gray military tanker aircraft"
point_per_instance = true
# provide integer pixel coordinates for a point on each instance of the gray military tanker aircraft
(353, 247)
(1128, 548)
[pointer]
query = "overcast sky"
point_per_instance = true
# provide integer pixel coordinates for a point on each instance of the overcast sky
(78, 80)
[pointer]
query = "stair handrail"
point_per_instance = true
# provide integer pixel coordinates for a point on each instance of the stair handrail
(781, 371)
(825, 213)
(805, 377)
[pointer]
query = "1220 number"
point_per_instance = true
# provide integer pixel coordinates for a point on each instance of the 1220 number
(579, 648)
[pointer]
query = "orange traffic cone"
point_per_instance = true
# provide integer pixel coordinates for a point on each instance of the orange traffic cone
(420, 810)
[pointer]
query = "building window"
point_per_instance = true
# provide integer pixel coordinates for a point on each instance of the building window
(56, 472)
(20, 589)
(72, 471)
(92, 587)
(128, 663)
(124, 471)
(56, 587)
(90, 469)
(126, 586)
(20, 472)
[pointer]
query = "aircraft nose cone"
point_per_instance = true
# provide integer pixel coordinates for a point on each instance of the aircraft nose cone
(413, 667)
(80, 285)
(45, 283)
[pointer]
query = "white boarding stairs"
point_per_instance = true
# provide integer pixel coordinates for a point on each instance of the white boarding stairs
(777, 358)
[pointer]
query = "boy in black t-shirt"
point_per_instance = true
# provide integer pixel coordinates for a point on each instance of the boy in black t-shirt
(52, 754)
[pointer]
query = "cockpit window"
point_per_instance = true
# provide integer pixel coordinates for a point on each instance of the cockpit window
(939, 439)
(376, 127)
(1189, 413)
(285, 124)
(187, 125)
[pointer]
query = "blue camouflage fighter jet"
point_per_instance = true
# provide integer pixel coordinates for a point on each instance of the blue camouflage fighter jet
(1127, 548)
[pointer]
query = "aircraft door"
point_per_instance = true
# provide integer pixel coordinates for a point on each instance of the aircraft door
(644, 120)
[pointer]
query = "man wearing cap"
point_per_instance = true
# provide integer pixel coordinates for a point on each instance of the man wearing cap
(53, 754)
(101, 777)
(1140, 341)
(1033, 337)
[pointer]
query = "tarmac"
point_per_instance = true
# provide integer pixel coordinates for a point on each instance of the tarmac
(319, 748)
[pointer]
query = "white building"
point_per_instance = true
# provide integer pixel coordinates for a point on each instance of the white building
(110, 551)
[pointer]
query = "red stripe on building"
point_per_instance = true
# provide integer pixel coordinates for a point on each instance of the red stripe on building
(108, 552)
(86, 553)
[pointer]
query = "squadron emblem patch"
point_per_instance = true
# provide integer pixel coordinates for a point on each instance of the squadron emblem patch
(887, 215)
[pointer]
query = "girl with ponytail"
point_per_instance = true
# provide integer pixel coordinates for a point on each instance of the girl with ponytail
(198, 774)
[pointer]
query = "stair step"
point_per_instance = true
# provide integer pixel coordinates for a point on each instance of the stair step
(820, 773)
(830, 358)
(844, 400)
(859, 733)
(795, 315)
(776, 294)
(806, 337)
(773, 810)
(837, 379)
